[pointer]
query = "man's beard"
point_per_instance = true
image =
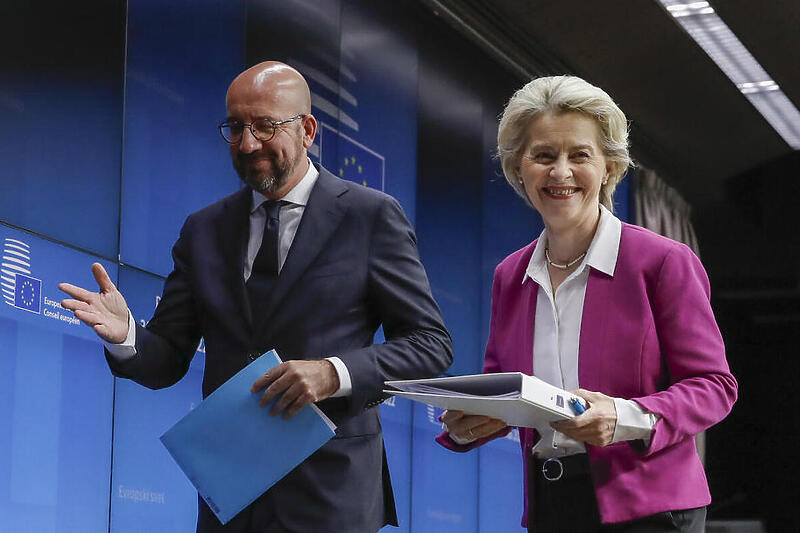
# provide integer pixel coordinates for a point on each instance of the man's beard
(265, 184)
(261, 181)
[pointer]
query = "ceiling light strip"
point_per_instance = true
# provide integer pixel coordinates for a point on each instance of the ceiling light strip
(708, 30)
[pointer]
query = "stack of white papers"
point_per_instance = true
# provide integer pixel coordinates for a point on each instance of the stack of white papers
(232, 450)
(516, 398)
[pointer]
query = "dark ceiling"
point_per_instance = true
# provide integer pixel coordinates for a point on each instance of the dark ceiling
(689, 121)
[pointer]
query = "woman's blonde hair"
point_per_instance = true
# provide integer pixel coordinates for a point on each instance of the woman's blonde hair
(563, 94)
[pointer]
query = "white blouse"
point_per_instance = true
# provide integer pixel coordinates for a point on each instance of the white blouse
(556, 337)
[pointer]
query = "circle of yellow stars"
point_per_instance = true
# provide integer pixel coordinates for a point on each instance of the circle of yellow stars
(27, 292)
(351, 162)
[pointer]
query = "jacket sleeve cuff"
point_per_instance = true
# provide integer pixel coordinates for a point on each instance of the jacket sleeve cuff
(633, 422)
(447, 441)
(345, 384)
(127, 348)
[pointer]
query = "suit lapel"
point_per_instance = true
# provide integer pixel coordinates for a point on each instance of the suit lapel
(323, 214)
(233, 237)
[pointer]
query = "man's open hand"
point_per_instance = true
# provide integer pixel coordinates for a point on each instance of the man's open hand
(105, 311)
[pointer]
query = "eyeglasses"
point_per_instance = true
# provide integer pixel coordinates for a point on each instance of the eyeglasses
(262, 129)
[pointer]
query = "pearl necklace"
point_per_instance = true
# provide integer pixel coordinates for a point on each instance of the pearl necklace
(562, 267)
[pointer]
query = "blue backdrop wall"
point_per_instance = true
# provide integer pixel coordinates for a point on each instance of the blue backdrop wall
(108, 140)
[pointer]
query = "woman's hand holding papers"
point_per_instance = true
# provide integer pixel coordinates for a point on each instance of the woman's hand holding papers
(596, 425)
(465, 428)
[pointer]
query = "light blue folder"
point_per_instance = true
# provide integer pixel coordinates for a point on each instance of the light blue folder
(232, 450)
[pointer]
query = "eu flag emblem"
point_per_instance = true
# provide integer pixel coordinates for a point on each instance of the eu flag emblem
(28, 293)
(351, 160)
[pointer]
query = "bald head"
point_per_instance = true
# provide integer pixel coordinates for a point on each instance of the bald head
(281, 85)
(273, 98)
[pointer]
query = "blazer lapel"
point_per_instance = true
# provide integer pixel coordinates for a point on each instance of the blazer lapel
(530, 292)
(233, 237)
(322, 216)
(594, 330)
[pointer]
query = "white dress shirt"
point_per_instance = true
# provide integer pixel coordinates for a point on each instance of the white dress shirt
(290, 214)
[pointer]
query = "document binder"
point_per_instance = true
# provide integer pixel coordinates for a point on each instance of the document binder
(232, 450)
(516, 398)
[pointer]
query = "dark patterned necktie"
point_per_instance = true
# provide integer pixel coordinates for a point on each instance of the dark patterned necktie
(264, 273)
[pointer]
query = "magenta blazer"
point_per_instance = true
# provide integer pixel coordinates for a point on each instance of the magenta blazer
(647, 334)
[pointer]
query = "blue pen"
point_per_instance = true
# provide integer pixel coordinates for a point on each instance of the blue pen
(576, 406)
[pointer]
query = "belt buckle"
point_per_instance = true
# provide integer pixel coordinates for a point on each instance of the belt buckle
(555, 462)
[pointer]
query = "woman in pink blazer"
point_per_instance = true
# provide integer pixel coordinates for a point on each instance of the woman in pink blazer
(612, 311)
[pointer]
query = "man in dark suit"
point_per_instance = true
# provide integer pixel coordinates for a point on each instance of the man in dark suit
(308, 264)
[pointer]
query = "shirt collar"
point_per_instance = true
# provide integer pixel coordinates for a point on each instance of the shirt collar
(601, 255)
(603, 252)
(298, 195)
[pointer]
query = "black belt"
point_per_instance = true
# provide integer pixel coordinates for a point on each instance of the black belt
(560, 468)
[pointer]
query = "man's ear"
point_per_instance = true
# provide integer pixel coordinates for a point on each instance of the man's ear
(309, 130)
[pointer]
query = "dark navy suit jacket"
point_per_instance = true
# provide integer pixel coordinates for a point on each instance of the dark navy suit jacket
(353, 266)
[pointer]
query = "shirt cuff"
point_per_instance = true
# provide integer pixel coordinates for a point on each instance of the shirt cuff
(345, 385)
(126, 349)
(633, 422)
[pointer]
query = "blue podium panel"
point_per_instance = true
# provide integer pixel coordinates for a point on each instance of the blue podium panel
(622, 201)
(148, 490)
(181, 57)
(378, 94)
(508, 222)
(444, 495)
(396, 422)
(363, 90)
(61, 120)
(55, 394)
(501, 494)
(272, 34)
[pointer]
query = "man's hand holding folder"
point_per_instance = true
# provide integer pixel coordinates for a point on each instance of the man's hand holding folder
(296, 384)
